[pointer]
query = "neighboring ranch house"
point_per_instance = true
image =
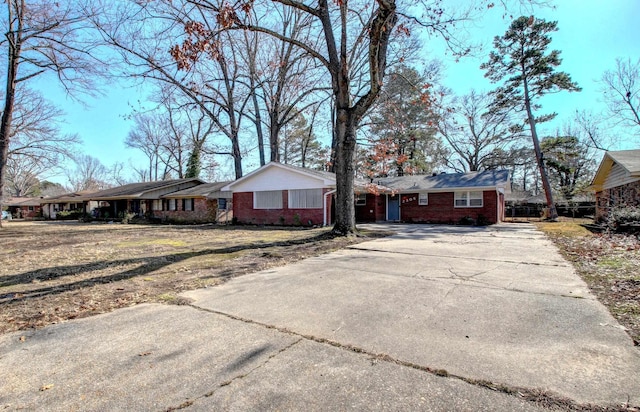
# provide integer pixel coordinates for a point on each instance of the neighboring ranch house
(199, 204)
(278, 194)
(24, 207)
(140, 199)
(67, 202)
(617, 181)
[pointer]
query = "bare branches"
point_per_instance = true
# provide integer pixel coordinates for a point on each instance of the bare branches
(621, 88)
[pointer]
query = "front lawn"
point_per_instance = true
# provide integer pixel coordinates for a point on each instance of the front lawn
(54, 271)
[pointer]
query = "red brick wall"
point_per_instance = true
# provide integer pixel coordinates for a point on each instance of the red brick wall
(205, 211)
(373, 211)
(244, 212)
(624, 195)
(441, 209)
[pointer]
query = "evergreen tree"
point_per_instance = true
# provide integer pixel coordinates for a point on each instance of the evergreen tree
(403, 127)
(527, 70)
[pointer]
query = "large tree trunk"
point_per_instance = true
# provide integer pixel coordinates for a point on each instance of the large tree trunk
(553, 214)
(345, 172)
(14, 46)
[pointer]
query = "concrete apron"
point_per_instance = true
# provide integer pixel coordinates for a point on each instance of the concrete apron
(496, 304)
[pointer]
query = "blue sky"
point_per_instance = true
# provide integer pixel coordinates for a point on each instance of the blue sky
(592, 34)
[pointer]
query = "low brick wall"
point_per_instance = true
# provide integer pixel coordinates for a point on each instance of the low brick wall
(205, 212)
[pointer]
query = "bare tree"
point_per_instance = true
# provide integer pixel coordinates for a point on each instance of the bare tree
(89, 174)
(621, 89)
(473, 131)
(149, 135)
(22, 176)
(44, 36)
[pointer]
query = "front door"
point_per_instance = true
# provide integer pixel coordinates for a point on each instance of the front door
(393, 207)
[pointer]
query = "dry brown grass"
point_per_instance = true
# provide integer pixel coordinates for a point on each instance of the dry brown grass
(608, 263)
(52, 271)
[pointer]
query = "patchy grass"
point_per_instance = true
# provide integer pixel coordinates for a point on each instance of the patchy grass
(54, 271)
(608, 263)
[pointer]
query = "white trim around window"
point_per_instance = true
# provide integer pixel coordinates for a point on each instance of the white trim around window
(423, 199)
(468, 198)
(267, 199)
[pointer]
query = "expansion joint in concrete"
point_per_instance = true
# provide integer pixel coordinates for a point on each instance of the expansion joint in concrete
(536, 396)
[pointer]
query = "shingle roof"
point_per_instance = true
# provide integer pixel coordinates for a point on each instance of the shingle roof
(22, 201)
(79, 196)
(629, 159)
(448, 181)
(209, 190)
(136, 190)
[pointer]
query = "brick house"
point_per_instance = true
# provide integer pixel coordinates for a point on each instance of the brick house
(283, 194)
(67, 202)
(279, 194)
(451, 198)
(617, 181)
(204, 203)
(24, 207)
(140, 199)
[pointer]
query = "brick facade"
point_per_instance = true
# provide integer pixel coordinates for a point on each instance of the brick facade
(205, 211)
(245, 213)
(441, 209)
(624, 195)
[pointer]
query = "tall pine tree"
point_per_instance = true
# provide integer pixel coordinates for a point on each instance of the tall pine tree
(527, 70)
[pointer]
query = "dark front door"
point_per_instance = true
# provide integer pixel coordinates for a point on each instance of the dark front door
(393, 207)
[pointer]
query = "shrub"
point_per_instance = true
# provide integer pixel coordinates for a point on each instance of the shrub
(623, 216)
(467, 220)
(69, 215)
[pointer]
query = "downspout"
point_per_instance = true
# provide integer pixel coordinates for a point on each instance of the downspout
(324, 208)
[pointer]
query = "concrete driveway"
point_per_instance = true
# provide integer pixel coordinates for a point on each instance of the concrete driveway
(434, 318)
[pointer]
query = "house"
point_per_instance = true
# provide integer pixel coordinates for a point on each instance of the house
(138, 198)
(198, 204)
(617, 181)
(68, 202)
(23, 207)
(285, 194)
(476, 197)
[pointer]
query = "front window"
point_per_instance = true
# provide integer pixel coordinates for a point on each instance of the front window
(468, 199)
(305, 199)
(361, 199)
(187, 204)
(271, 199)
(423, 199)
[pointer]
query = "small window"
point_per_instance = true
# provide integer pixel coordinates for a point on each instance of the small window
(468, 199)
(423, 199)
(222, 203)
(271, 199)
(173, 204)
(187, 204)
(305, 199)
(30, 208)
(361, 199)
(157, 204)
